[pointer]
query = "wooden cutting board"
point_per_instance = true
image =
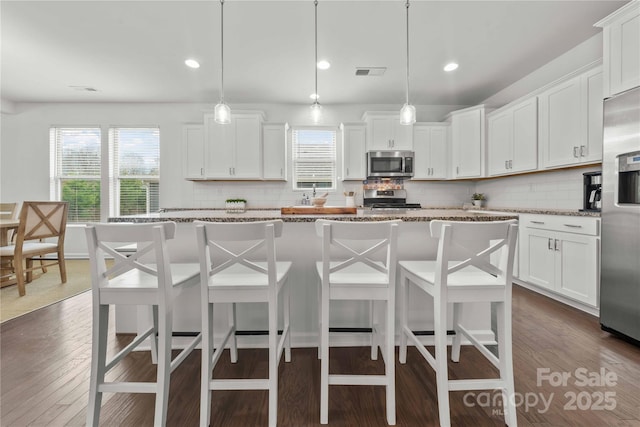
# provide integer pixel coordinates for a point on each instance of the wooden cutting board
(312, 210)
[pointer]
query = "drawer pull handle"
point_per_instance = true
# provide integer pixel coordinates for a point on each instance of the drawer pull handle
(573, 226)
(537, 222)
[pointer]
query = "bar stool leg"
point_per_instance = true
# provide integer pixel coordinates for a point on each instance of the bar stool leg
(442, 376)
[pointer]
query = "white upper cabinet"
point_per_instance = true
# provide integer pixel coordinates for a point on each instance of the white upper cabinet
(353, 151)
(621, 54)
(234, 151)
(570, 121)
(430, 147)
(513, 138)
(274, 144)
(384, 132)
(193, 151)
(467, 142)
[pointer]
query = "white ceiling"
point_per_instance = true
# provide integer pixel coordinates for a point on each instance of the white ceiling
(134, 51)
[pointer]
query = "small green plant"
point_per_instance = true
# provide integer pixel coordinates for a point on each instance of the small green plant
(478, 196)
(235, 201)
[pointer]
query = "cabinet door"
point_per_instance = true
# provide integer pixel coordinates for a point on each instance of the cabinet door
(422, 151)
(402, 135)
(577, 267)
(592, 113)
(219, 149)
(274, 145)
(467, 129)
(193, 151)
(525, 137)
(380, 134)
(624, 51)
(499, 131)
(248, 147)
(438, 153)
(560, 121)
(539, 266)
(353, 152)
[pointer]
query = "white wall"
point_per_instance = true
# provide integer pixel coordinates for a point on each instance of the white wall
(24, 150)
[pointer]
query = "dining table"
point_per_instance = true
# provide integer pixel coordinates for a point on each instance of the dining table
(6, 269)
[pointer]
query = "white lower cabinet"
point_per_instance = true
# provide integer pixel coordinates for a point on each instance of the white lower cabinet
(561, 254)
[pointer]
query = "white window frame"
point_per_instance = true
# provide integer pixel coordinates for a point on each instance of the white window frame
(297, 160)
(115, 177)
(56, 175)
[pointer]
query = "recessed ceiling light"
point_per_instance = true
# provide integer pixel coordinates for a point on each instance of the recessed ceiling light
(324, 65)
(314, 96)
(450, 66)
(192, 63)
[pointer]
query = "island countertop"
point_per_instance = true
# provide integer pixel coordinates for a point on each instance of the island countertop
(250, 215)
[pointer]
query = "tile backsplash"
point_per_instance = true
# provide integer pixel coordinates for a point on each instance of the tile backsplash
(554, 190)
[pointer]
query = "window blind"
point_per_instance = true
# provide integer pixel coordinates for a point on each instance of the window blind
(314, 158)
(136, 170)
(75, 172)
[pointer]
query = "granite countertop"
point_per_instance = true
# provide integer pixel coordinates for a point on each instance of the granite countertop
(266, 214)
(538, 211)
(186, 215)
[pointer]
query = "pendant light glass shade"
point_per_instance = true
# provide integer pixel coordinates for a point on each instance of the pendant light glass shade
(408, 111)
(316, 112)
(407, 114)
(316, 108)
(222, 112)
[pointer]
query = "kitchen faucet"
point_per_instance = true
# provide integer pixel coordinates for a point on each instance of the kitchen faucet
(314, 191)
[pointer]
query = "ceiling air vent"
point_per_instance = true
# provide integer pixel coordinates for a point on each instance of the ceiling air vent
(370, 71)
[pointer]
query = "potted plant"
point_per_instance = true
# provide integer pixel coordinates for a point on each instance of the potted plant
(477, 199)
(235, 205)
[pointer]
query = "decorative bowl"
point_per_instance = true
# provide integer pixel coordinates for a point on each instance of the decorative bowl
(319, 201)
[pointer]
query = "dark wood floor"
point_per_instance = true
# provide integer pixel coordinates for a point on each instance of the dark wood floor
(45, 356)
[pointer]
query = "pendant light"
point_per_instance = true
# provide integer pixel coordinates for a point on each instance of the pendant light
(316, 108)
(222, 112)
(408, 111)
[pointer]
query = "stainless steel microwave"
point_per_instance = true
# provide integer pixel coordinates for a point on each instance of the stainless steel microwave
(390, 164)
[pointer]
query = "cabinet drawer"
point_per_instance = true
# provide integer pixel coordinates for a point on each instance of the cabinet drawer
(569, 224)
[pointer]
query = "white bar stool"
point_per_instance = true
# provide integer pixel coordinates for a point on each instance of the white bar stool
(352, 269)
(238, 264)
(144, 277)
(462, 273)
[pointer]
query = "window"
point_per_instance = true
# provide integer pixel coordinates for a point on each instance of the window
(136, 170)
(75, 171)
(314, 158)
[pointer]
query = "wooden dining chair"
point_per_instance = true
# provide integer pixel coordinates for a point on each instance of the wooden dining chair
(474, 264)
(40, 232)
(8, 210)
(146, 277)
(359, 264)
(238, 264)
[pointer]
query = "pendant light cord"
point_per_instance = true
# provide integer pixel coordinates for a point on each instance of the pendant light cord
(222, 51)
(315, 67)
(407, 7)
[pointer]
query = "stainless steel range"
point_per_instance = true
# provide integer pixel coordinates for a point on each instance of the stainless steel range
(388, 200)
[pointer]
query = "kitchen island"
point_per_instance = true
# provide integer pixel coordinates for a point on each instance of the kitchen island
(300, 245)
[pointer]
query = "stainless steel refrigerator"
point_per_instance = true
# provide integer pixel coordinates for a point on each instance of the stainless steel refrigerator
(620, 267)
